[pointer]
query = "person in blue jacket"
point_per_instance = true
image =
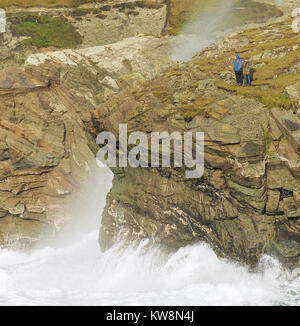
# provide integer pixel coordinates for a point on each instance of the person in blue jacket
(238, 69)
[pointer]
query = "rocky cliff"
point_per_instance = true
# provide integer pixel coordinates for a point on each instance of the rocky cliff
(47, 143)
(247, 203)
(44, 152)
(42, 26)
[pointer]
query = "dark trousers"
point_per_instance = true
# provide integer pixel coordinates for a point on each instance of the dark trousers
(247, 80)
(239, 77)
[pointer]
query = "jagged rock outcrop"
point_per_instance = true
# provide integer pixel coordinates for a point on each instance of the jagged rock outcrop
(117, 20)
(144, 55)
(247, 203)
(114, 66)
(46, 150)
(90, 24)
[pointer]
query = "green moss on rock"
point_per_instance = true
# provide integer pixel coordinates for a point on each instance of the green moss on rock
(45, 31)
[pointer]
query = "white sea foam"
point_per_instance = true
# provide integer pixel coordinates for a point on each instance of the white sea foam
(80, 275)
(73, 271)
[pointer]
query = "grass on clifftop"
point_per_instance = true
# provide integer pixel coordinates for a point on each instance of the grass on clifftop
(72, 3)
(275, 55)
(42, 3)
(45, 31)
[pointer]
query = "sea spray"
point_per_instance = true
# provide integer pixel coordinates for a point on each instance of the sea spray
(79, 274)
(73, 270)
(76, 272)
(202, 30)
(3, 280)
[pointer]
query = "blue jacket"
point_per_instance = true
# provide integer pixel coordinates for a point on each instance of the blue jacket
(237, 64)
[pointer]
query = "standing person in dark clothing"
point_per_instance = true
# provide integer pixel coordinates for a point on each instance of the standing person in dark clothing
(238, 69)
(246, 72)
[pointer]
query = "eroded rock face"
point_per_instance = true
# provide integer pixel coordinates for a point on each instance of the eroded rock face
(47, 143)
(246, 203)
(121, 19)
(145, 55)
(44, 151)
